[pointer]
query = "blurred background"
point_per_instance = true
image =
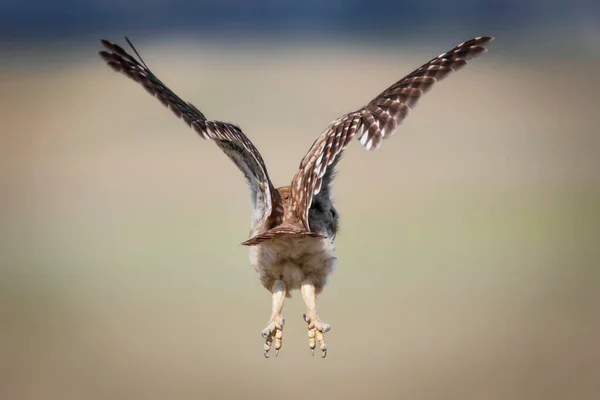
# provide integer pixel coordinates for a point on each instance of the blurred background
(469, 252)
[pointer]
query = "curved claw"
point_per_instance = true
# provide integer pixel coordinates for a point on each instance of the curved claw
(266, 353)
(324, 353)
(276, 352)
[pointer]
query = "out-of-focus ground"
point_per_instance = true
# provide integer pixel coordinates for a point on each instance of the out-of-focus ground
(468, 258)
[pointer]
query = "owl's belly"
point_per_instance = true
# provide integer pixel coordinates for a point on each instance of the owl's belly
(293, 260)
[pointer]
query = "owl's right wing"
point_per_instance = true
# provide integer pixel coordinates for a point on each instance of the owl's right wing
(228, 137)
(371, 124)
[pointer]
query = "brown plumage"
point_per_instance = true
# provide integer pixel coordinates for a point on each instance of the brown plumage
(372, 123)
(293, 227)
(228, 137)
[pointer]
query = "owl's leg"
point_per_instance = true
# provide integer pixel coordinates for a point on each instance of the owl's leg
(316, 327)
(274, 329)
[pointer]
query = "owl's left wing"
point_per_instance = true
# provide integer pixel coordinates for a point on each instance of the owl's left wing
(372, 123)
(230, 138)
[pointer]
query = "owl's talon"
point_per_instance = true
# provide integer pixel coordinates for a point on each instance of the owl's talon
(273, 333)
(316, 330)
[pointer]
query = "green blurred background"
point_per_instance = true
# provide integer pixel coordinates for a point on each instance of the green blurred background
(468, 256)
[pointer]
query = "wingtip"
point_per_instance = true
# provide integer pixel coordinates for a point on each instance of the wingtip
(106, 43)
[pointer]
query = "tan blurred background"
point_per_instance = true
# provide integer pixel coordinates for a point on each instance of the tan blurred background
(468, 256)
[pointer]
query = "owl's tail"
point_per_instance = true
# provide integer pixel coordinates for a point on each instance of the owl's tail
(279, 232)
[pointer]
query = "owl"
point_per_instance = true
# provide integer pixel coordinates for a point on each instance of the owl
(293, 227)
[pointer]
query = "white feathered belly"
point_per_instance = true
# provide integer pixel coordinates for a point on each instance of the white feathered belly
(293, 260)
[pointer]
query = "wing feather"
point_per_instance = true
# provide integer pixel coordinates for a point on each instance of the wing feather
(371, 124)
(230, 138)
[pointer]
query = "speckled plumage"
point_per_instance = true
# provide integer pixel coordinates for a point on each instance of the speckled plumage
(293, 227)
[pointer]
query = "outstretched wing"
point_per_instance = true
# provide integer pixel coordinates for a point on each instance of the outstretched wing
(228, 137)
(371, 124)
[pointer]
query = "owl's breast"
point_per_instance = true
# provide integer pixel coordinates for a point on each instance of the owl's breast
(293, 260)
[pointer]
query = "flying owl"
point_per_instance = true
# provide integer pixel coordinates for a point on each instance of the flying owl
(293, 227)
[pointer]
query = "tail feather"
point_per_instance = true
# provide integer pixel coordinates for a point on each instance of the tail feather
(279, 232)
